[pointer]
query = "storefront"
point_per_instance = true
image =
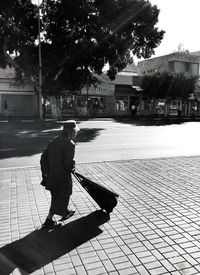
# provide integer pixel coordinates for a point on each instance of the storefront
(68, 104)
(125, 97)
(20, 99)
(101, 100)
(176, 107)
(97, 100)
(94, 101)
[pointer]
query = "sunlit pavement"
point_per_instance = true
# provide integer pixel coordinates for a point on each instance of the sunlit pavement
(154, 229)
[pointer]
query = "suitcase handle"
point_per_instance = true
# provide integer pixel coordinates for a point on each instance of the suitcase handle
(81, 179)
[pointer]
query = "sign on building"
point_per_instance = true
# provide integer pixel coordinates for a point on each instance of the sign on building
(99, 90)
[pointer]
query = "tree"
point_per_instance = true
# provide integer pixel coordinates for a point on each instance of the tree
(18, 30)
(84, 35)
(169, 85)
(78, 38)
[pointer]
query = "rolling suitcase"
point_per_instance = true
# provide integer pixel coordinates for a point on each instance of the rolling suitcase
(104, 197)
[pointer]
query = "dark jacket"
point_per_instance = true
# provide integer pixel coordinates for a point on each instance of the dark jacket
(60, 162)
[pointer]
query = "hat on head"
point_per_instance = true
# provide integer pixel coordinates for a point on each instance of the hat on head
(69, 126)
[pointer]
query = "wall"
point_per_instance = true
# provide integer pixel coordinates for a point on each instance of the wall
(178, 62)
(21, 98)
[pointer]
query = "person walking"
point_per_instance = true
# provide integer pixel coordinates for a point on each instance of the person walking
(57, 164)
(133, 110)
(5, 109)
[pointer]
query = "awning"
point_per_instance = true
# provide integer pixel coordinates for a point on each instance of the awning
(191, 96)
(197, 98)
(138, 88)
(128, 90)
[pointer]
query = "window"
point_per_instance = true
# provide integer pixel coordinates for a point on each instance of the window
(148, 104)
(67, 105)
(97, 105)
(121, 103)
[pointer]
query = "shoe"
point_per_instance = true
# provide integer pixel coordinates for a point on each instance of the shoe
(49, 224)
(68, 214)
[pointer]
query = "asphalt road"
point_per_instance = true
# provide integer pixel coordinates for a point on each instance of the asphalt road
(21, 143)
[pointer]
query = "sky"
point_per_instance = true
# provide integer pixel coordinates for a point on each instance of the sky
(180, 19)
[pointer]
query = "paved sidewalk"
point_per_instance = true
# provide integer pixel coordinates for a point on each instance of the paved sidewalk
(155, 228)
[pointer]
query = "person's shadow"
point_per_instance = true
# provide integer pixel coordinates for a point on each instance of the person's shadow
(41, 247)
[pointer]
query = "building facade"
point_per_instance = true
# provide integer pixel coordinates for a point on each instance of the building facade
(20, 98)
(108, 98)
(176, 62)
(179, 62)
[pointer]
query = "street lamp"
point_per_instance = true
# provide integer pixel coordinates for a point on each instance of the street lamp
(40, 66)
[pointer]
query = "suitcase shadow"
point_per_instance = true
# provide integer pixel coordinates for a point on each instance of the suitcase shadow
(41, 247)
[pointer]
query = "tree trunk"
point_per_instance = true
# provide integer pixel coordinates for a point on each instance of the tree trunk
(55, 107)
(155, 101)
(166, 110)
(75, 104)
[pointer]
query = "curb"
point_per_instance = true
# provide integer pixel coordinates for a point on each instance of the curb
(105, 161)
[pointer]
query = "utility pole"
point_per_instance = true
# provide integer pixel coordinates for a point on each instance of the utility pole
(40, 67)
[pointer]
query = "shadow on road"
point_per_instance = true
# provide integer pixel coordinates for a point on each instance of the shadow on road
(88, 134)
(41, 247)
(152, 121)
(26, 139)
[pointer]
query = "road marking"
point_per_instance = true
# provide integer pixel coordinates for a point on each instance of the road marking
(27, 120)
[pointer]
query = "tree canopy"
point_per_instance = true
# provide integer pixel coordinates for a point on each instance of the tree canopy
(168, 85)
(78, 38)
(18, 30)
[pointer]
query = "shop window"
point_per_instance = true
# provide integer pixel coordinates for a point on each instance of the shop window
(81, 101)
(82, 105)
(67, 105)
(148, 104)
(46, 106)
(97, 105)
(175, 108)
(160, 107)
(121, 103)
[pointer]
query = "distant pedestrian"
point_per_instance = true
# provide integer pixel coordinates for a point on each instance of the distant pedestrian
(5, 109)
(133, 110)
(57, 164)
(43, 109)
